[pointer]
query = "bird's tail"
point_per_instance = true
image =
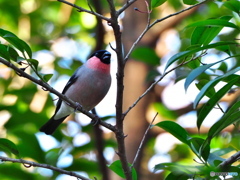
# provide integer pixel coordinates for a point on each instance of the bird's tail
(50, 126)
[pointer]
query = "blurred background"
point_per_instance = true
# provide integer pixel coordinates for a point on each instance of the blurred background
(62, 39)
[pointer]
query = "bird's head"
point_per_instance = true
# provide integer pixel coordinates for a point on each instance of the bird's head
(103, 55)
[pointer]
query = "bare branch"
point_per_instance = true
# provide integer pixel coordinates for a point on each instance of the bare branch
(143, 139)
(149, 26)
(80, 9)
(153, 84)
(125, 6)
(179, 12)
(229, 161)
(46, 166)
(119, 101)
(47, 87)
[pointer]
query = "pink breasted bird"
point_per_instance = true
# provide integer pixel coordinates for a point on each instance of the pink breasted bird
(88, 86)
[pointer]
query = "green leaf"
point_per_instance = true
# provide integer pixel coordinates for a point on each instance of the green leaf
(4, 52)
(195, 144)
(208, 106)
(231, 116)
(211, 84)
(9, 147)
(203, 35)
(16, 42)
(177, 176)
(13, 54)
(184, 54)
(176, 130)
(213, 23)
(146, 55)
(223, 67)
(198, 71)
(213, 158)
(116, 167)
(233, 5)
(190, 2)
(156, 3)
(211, 91)
(34, 63)
(47, 77)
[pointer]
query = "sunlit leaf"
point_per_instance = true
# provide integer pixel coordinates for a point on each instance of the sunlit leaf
(156, 3)
(212, 158)
(203, 35)
(16, 42)
(233, 5)
(184, 54)
(9, 147)
(213, 23)
(211, 84)
(208, 106)
(175, 129)
(196, 72)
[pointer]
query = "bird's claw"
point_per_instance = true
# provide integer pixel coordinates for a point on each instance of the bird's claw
(95, 121)
(78, 106)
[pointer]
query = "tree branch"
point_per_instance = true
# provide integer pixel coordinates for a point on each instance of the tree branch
(46, 166)
(179, 12)
(119, 101)
(47, 87)
(229, 161)
(149, 26)
(125, 6)
(153, 84)
(80, 9)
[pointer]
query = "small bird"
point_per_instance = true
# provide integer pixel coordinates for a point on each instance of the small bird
(88, 86)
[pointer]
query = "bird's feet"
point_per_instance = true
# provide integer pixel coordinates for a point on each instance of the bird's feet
(95, 121)
(78, 106)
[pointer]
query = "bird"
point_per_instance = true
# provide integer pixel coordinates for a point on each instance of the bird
(87, 86)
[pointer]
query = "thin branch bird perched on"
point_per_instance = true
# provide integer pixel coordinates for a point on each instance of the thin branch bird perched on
(88, 86)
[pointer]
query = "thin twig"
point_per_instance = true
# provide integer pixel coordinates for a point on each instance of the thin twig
(153, 84)
(125, 6)
(143, 139)
(155, 22)
(80, 9)
(179, 12)
(47, 87)
(46, 166)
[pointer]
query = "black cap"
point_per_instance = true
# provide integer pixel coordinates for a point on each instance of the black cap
(103, 55)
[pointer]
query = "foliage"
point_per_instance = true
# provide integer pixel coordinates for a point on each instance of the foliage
(206, 38)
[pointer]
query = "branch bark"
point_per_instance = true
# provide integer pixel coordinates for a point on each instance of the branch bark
(80, 9)
(47, 87)
(46, 166)
(229, 161)
(119, 101)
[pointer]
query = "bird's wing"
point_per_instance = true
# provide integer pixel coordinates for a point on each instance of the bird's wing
(71, 81)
